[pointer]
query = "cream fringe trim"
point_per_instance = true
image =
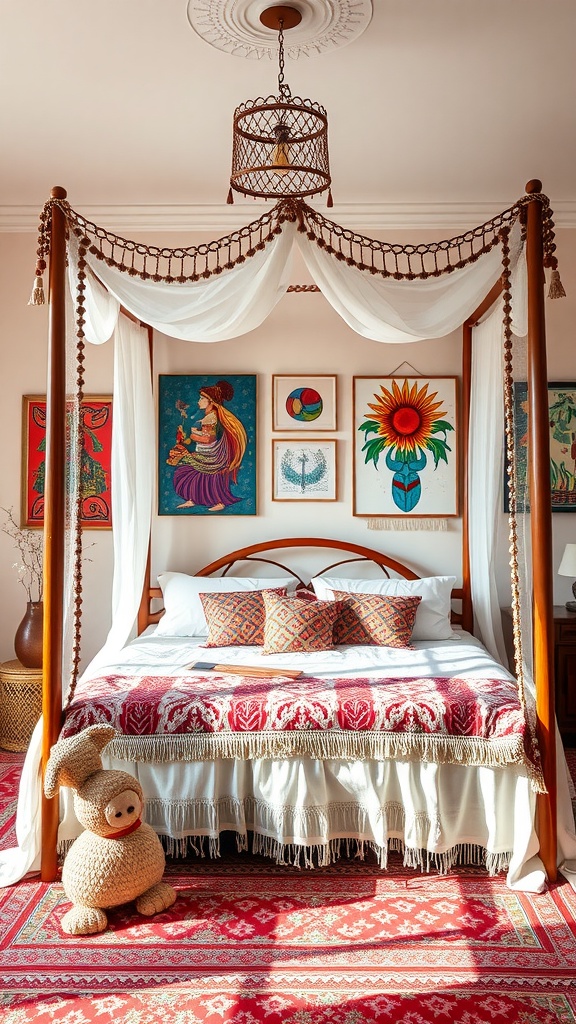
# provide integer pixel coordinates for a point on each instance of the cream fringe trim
(322, 855)
(498, 752)
(407, 523)
(284, 834)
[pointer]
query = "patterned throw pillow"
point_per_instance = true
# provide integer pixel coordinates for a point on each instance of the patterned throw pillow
(237, 619)
(374, 619)
(295, 625)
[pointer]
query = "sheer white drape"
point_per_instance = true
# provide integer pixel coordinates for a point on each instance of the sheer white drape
(397, 312)
(486, 458)
(238, 300)
(213, 309)
(133, 442)
(485, 475)
(132, 469)
(133, 445)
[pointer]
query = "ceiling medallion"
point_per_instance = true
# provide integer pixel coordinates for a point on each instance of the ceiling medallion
(235, 26)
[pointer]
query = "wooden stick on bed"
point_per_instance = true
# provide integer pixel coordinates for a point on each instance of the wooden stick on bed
(245, 670)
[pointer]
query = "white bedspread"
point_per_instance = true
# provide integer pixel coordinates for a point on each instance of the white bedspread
(465, 656)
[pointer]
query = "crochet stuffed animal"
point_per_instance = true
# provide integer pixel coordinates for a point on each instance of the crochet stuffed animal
(118, 858)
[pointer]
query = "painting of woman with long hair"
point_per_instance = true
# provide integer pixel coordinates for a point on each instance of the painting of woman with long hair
(207, 455)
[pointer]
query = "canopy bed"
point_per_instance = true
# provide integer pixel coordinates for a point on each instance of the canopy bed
(491, 280)
(306, 750)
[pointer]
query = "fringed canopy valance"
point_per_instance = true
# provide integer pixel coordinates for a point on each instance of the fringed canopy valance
(184, 265)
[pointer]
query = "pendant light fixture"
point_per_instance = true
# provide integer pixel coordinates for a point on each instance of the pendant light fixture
(280, 143)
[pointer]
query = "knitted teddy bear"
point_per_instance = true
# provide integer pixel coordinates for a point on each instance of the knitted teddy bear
(118, 858)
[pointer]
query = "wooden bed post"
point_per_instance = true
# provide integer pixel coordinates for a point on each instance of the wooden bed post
(54, 523)
(541, 530)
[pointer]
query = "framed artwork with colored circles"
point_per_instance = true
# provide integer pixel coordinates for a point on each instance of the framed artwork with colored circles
(304, 402)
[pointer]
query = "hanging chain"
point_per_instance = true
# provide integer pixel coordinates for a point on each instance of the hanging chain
(283, 87)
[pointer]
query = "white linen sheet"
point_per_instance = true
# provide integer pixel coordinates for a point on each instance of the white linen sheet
(300, 809)
(159, 655)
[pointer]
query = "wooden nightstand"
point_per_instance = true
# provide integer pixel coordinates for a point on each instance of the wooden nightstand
(564, 667)
(20, 704)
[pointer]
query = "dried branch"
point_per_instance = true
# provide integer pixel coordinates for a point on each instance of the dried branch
(30, 544)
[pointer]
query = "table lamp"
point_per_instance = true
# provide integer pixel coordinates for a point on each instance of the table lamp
(567, 567)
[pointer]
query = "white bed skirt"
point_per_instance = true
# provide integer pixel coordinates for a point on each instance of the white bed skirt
(305, 811)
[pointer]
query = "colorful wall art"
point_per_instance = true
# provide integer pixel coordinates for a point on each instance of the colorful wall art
(95, 464)
(562, 423)
(405, 446)
(207, 444)
(303, 470)
(303, 402)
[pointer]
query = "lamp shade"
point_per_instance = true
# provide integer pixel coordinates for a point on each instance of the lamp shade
(280, 148)
(280, 143)
(567, 566)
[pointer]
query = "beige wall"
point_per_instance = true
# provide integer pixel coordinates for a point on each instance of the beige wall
(303, 334)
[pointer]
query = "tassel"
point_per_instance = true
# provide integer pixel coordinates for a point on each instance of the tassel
(409, 523)
(556, 290)
(329, 201)
(230, 199)
(37, 298)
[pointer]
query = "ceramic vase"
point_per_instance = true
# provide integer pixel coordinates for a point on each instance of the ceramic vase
(28, 639)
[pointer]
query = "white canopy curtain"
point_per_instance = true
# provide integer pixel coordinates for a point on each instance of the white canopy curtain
(382, 309)
(215, 308)
(485, 474)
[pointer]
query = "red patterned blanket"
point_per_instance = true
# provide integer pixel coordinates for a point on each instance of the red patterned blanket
(202, 717)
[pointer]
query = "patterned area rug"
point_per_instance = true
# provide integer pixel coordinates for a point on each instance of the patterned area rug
(249, 943)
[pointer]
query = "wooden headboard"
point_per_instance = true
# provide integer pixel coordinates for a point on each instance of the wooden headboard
(262, 553)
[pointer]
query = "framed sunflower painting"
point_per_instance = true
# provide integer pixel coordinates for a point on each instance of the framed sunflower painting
(405, 447)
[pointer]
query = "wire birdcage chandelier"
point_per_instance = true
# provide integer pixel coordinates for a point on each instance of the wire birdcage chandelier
(280, 143)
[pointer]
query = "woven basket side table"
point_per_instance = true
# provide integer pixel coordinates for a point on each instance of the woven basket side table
(20, 704)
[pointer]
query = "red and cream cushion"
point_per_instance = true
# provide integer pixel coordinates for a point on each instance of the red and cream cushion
(237, 619)
(296, 625)
(375, 619)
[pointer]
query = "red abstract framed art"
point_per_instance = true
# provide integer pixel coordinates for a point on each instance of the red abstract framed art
(95, 467)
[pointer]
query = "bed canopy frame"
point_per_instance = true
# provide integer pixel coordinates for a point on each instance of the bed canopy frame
(537, 227)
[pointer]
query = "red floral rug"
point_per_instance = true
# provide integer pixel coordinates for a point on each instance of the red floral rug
(248, 943)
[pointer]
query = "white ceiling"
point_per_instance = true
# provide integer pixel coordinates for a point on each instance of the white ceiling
(439, 112)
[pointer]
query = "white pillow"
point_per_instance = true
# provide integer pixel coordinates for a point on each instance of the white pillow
(184, 614)
(433, 615)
